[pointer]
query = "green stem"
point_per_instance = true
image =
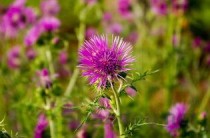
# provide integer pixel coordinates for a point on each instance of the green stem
(80, 37)
(204, 101)
(118, 111)
(72, 82)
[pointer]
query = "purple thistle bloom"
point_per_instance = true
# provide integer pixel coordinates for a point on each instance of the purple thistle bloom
(33, 35)
(109, 130)
(50, 7)
(159, 7)
(41, 126)
(16, 17)
(30, 53)
(63, 57)
(13, 57)
(130, 91)
(178, 5)
(105, 102)
(101, 61)
(107, 17)
(124, 8)
(90, 32)
(197, 42)
(19, 3)
(115, 28)
(175, 118)
(45, 78)
(49, 24)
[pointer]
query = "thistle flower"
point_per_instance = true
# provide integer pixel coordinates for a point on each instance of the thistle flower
(41, 126)
(115, 28)
(90, 32)
(179, 5)
(175, 118)
(45, 79)
(13, 57)
(131, 91)
(16, 17)
(101, 61)
(124, 8)
(159, 7)
(50, 7)
(109, 130)
(33, 35)
(49, 24)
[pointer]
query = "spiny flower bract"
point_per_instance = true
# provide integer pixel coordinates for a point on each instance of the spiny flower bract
(101, 61)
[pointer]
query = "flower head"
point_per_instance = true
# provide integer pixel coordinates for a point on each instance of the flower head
(45, 78)
(41, 126)
(13, 57)
(175, 118)
(124, 8)
(102, 62)
(49, 23)
(159, 7)
(50, 7)
(15, 18)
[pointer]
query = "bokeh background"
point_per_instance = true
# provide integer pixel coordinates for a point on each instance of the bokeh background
(173, 39)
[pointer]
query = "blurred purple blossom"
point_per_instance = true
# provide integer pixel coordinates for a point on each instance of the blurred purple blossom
(101, 61)
(30, 53)
(109, 129)
(115, 28)
(90, 32)
(177, 114)
(45, 78)
(63, 57)
(130, 91)
(179, 5)
(197, 42)
(159, 7)
(132, 37)
(50, 7)
(33, 35)
(107, 17)
(16, 17)
(105, 103)
(41, 126)
(13, 57)
(49, 23)
(124, 8)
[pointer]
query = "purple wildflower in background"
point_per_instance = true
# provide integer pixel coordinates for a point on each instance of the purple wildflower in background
(197, 42)
(101, 61)
(33, 35)
(50, 7)
(15, 18)
(46, 24)
(107, 17)
(41, 126)
(90, 31)
(49, 23)
(124, 8)
(90, 2)
(30, 53)
(45, 78)
(13, 57)
(130, 91)
(159, 7)
(109, 129)
(175, 118)
(105, 102)
(115, 28)
(179, 5)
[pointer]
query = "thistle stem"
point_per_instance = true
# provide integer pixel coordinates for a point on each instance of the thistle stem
(205, 101)
(118, 111)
